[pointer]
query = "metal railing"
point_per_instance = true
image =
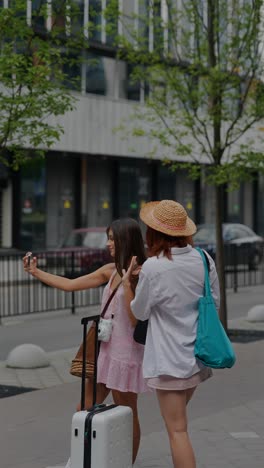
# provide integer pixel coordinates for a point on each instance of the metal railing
(22, 294)
(244, 266)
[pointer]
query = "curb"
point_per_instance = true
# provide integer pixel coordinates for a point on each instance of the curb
(236, 332)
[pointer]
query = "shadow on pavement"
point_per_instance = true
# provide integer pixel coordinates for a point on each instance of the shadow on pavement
(11, 390)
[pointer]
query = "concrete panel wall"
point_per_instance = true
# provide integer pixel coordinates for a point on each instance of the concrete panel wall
(91, 128)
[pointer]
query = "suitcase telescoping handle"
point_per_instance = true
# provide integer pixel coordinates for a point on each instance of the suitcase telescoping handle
(85, 320)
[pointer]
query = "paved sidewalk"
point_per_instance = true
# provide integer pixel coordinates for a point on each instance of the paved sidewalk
(226, 415)
(226, 421)
(57, 373)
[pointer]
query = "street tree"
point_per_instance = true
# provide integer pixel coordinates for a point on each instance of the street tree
(202, 61)
(38, 52)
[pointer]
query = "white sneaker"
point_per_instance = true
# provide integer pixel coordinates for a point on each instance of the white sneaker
(68, 464)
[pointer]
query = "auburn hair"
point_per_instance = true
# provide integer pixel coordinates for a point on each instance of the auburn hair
(159, 242)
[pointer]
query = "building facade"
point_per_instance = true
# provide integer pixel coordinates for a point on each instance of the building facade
(96, 173)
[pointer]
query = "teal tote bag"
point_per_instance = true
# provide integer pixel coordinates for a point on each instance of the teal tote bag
(212, 347)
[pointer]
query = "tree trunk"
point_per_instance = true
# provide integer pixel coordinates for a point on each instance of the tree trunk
(220, 260)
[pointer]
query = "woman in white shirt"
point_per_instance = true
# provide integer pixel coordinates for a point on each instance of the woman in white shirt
(170, 284)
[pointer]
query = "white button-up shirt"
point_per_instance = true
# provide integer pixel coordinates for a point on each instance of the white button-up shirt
(167, 294)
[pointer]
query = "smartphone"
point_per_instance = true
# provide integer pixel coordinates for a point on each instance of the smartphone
(29, 256)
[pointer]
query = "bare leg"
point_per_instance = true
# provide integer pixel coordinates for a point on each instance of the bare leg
(173, 410)
(130, 399)
(101, 393)
(189, 394)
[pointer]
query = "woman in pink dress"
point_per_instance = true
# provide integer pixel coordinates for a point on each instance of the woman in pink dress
(120, 359)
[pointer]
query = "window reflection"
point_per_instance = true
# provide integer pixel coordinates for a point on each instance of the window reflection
(134, 188)
(39, 13)
(59, 14)
(72, 71)
(111, 27)
(132, 85)
(260, 205)
(33, 205)
(234, 206)
(95, 19)
(77, 16)
(95, 75)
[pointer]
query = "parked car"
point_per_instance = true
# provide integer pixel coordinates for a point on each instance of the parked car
(241, 244)
(82, 251)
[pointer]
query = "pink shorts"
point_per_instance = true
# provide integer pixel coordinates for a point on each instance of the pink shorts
(167, 382)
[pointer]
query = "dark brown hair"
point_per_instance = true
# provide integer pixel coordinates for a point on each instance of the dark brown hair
(159, 242)
(128, 242)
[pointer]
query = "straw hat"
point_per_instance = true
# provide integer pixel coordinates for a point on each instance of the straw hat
(167, 216)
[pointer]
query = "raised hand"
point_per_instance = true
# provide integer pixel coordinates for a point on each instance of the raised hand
(132, 270)
(30, 263)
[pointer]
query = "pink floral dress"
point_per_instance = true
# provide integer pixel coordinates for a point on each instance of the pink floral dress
(120, 359)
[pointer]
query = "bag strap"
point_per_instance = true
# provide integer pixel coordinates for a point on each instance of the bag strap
(207, 287)
(109, 300)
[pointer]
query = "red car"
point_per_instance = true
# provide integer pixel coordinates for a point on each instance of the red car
(82, 252)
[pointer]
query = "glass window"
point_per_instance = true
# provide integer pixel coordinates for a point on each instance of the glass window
(177, 186)
(185, 192)
(95, 240)
(3, 176)
(132, 85)
(39, 13)
(129, 86)
(244, 231)
(99, 202)
(72, 70)
(260, 206)
(90, 239)
(58, 14)
(95, 75)
(233, 232)
(166, 183)
(134, 188)
(205, 233)
(1, 219)
(33, 205)
(235, 206)
(229, 233)
(77, 16)
(143, 10)
(111, 27)
(158, 29)
(95, 19)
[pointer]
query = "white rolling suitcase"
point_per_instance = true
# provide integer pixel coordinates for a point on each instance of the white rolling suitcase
(101, 437)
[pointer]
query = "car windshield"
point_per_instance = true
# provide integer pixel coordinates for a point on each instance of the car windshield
(205, 234)
(90, 239)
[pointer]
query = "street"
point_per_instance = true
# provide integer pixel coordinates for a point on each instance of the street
(226, 421)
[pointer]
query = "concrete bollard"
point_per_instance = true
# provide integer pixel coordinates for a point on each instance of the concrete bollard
(27, 356)
(256, 313)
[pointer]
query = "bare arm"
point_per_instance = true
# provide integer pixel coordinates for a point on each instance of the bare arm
(129, 296)
(128, 288)
(92, 280)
